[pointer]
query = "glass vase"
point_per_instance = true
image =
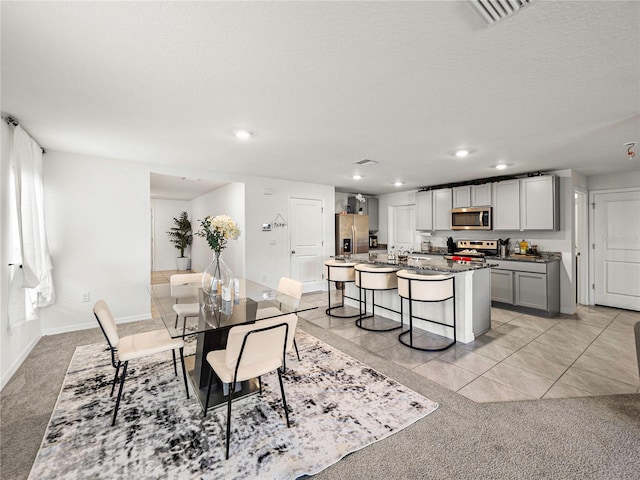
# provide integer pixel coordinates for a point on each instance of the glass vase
(217, 280)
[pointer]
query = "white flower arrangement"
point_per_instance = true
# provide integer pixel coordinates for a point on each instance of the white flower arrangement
(360, 198)
(217, 230)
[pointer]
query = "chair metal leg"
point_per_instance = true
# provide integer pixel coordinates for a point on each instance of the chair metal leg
(206, 403)
(184, 370)
(296, 347)
(284, 399)
(175, 366)
(124, 374)
(115, 379)
(232, 387)
(260, 384)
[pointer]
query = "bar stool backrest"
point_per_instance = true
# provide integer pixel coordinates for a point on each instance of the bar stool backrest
(424, 288)
(376, 278)
(339, 271)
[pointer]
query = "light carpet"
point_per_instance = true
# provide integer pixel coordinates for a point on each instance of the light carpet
(338, 405)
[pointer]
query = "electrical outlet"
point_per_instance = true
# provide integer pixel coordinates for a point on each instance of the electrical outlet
(85, 297)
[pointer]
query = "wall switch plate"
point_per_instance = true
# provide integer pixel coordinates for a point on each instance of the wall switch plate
(85, 297)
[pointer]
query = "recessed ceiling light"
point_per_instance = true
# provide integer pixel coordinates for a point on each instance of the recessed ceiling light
(243, 135)
(501, 166)
(398, 183)
(462, 153)
(357, 177)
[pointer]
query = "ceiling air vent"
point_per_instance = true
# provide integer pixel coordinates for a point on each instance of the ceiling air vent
(366, 162)
(492, 11)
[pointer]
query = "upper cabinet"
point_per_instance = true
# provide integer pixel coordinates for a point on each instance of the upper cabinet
(372, 210)
(424, 210)
(442, 201)
(539, 203)
(433, 209)
(506, 205)
(472, 196)
(526, 204)
(369, 207)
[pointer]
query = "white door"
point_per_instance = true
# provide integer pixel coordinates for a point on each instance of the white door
(617, 249)
(306, 242)
(402, 227)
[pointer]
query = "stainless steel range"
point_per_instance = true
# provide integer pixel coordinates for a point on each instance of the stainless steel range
(473, 250)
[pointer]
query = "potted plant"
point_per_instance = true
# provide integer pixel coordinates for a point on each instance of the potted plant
(181, 236)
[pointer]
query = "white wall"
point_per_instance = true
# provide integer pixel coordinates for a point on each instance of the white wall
(615, 180)
(17, 342)
(228, 200)
(164, 211)
(268, 253)
(98, 223)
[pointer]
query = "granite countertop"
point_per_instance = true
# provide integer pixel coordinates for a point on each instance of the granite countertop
(429, 264)
(544, 257)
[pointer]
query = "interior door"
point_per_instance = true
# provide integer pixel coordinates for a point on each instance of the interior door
(617, 249)
(402, 227)
(307, 233)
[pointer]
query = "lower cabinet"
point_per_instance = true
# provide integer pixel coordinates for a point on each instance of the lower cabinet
(527, 286)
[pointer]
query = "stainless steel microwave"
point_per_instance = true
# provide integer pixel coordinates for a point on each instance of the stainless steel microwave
(471, 218)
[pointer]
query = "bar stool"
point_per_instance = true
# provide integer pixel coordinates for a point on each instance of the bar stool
(374, 278)
(338, 271)
(426, 288)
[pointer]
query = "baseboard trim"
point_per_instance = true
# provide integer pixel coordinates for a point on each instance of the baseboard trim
(17, 362)
(94, 324)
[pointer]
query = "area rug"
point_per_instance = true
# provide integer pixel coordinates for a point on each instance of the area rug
(338, 405)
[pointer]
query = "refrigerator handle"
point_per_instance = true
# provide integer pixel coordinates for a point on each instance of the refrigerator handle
(354, 247)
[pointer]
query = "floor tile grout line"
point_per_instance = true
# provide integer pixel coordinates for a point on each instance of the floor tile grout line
(579, 356)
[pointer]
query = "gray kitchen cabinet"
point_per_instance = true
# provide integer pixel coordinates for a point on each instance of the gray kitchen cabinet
(471, 196)
(506, 205)
(369, 207)
(530, 290)
(532, 287)
(502, 286)
(424, 210)
(442, 201)
(539, 203)
(461, 196)
(372, 211)
(481, 195)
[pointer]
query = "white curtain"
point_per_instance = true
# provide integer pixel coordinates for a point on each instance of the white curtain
(26, 169)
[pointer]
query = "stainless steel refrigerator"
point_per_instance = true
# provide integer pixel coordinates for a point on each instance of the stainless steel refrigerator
(352, 234)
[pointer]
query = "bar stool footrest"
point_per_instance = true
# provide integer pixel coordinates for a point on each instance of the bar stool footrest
(424, 349)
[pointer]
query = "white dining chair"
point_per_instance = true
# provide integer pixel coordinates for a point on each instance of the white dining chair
(133, 347)
(292, 289)
(252, 351)
(183, 286)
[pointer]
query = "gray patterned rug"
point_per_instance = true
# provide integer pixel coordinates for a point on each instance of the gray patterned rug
(338, 405)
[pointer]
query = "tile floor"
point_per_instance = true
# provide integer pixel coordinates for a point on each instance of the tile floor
(522, 357)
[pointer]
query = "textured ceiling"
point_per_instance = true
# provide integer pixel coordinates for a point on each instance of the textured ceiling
(325, 84)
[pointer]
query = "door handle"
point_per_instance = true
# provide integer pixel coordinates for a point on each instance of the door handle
(293, 252)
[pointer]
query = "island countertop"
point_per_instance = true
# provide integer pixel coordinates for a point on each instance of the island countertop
(434, 264)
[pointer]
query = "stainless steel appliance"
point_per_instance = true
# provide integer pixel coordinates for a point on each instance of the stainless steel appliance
(471, 218)
(352, 234)
(473, 250)
(373, 241)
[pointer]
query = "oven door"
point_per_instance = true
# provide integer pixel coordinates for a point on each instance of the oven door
(471, 218)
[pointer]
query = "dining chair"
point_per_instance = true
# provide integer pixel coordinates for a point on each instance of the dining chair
(291, 288)
(185, 285)
(252, 351)
(133, 347)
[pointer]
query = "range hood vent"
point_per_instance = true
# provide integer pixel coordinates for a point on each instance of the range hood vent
(492, 11)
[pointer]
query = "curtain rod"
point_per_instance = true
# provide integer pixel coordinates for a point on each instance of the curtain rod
(12, 121)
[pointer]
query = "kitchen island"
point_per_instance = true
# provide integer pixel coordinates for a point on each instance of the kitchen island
(472, 303)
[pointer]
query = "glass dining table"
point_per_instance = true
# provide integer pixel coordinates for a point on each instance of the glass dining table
(250, 302)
